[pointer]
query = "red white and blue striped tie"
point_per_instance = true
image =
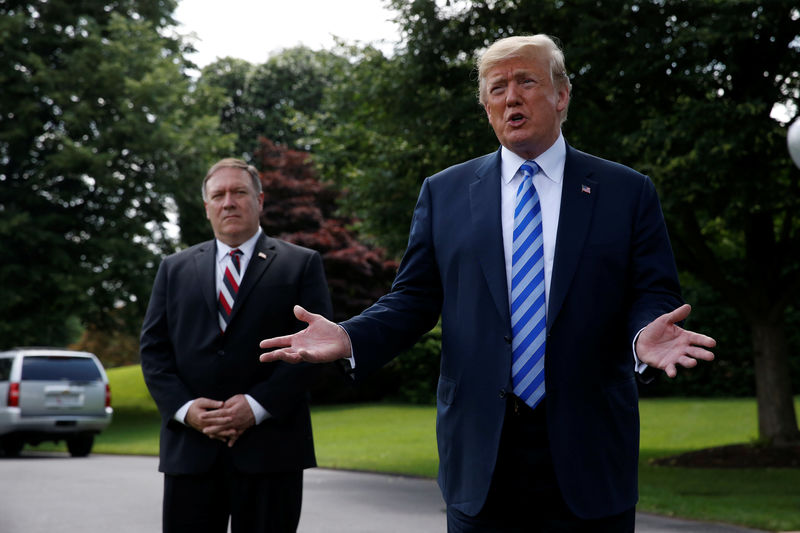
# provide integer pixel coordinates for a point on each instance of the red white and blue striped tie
(229, 287)
(528, 320)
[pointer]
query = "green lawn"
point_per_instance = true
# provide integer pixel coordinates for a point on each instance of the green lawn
(764, 498)
(401, 439)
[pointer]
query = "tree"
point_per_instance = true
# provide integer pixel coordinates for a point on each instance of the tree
(235, 117)
(388, 122)
(99, 132)
(301, 209)
(272, 98)
(683, 91)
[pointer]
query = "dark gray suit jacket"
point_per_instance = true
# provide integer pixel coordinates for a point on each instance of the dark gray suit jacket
(184, 355)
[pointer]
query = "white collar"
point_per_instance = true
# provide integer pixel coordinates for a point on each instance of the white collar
(246, 247)
(551, 161)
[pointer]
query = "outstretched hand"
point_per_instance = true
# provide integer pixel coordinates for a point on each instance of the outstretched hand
(321, 342)
(665, 345)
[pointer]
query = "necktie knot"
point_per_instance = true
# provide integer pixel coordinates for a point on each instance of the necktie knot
(529, 169)
(235, 255)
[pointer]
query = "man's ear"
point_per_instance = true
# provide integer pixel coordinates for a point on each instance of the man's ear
(563, 98)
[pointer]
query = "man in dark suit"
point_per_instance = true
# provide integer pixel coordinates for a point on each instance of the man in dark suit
(235, 434)
(555, 281)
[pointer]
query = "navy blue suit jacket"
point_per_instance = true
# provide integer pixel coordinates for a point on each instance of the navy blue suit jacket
(613, 273)
(184, 355)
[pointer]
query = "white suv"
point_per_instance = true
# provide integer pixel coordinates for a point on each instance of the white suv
(49, 394)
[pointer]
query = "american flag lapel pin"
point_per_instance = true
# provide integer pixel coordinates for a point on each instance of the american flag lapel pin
(585, 189)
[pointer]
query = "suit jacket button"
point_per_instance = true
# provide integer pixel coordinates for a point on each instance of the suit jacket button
(220, 352)
(507, 338)
(502, 393)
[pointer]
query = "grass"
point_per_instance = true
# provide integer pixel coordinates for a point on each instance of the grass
(764, 498)
(397, 439)
(401, 439)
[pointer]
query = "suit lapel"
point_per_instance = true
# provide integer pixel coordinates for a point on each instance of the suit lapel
(263, 255)
(578, 198)
(484, 194)
(205, 265)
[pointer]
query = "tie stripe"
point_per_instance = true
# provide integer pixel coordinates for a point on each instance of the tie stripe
(528, 317)
(229, 288)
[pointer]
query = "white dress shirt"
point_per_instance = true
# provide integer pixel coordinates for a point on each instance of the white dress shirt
(223, 250)
(548, 183)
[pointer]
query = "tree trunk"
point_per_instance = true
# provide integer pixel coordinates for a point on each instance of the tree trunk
(777, 424)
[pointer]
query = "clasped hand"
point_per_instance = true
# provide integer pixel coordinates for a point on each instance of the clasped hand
(225, 421)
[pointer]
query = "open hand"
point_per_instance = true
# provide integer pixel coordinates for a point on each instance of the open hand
(321, 342)
(663, 344)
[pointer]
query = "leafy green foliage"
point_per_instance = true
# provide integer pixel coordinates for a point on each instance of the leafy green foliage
(385, 124)
(99, 128)
(271, 99)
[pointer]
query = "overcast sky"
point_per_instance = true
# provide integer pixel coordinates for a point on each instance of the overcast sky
(251, 29)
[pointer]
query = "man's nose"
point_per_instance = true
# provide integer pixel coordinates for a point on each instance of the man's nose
(512, 94)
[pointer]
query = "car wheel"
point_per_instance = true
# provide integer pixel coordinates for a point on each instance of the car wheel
(11, 445)
(80, 445)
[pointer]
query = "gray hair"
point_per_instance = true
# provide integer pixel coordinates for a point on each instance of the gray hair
(232, 162)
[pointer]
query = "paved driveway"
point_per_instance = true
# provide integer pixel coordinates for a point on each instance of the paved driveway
(42, 493)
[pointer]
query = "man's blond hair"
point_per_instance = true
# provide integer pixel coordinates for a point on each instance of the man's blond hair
(525, 47)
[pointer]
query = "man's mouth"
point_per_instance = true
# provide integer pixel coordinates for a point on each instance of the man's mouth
(516, 119)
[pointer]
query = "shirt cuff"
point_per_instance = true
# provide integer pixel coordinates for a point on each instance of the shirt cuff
(352, 358)
(180, 414)
(259, 412)
(638, 366)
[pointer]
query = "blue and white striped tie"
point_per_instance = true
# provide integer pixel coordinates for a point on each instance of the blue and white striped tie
(528, 320)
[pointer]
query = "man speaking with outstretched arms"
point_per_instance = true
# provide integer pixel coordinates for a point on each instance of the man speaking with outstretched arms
(555, 281)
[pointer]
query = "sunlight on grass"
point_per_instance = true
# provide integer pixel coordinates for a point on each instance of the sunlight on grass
(128, 390)
(672, 425)
(375, 437)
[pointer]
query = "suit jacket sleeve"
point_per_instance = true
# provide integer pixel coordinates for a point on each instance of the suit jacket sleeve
(654, 282)
(398, 319)
(158, 354)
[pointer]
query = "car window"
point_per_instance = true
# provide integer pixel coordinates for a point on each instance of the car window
(5, 368)
(58, 368)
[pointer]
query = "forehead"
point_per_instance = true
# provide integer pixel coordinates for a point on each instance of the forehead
(228, 177)
(516, 65)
